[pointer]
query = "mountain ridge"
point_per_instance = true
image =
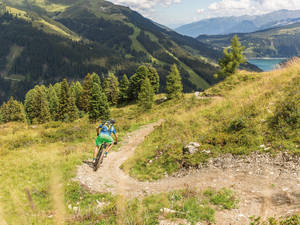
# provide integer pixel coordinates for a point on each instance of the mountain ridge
(280, 42)
(121, 40)
(239, 24)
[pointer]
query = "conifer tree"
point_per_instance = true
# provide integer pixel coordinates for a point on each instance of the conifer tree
(99, 107)
(12, 111)
(1, 116)
(111, 88)
(124, 88)
(53, 102)
(174, 85)
(136, 81)
(30, 105)
(76, 92)
(146, 95)
(67, 110)
(57, 87)
(73, 112)
(36, 105)
(44, 110)
(96, 79)
(86, 93)
(154, 79)
(232, 58)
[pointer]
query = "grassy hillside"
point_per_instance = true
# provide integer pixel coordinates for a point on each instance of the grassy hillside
(37, 163)
(93, 36)
(276, 42)
(250, 110)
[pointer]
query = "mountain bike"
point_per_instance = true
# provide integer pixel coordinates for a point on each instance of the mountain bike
(100, 155)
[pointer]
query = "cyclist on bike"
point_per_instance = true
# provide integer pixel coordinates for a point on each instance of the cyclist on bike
(105, 136)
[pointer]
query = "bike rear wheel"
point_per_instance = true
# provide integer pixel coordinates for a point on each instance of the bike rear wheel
(100, 155)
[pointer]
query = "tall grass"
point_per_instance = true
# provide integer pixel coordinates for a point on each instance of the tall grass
(37, 163)
(248, 115)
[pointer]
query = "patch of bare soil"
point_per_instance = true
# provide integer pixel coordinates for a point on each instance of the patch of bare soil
(266, 185)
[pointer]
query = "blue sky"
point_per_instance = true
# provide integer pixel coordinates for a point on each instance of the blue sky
(180, 13)
(173, 13)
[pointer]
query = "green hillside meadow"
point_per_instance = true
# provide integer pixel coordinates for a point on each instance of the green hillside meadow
(38, 162)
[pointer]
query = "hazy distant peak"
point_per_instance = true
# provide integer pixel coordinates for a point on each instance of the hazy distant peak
(239, 24)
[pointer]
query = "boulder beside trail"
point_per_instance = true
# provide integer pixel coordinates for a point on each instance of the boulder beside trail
(161, 100)
(191, 148)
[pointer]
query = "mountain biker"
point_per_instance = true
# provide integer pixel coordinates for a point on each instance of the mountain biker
(105, 136)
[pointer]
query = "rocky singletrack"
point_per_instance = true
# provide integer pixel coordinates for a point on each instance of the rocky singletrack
(266, 185)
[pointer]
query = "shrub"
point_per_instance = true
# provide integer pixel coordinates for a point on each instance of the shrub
(290, 220)
(66, 134)
(21, 142)
(286, 116)
(237, 125)
(224, 198)
(284, 124)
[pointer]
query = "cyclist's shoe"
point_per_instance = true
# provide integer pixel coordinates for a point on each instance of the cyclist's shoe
(94, 161)
(105, 154)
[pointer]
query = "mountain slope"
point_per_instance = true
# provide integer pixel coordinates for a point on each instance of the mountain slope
(276, 42)
(72, 38)
(240, 24)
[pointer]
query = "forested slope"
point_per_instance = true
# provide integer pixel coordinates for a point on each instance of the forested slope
(44, 41)
(276, 42)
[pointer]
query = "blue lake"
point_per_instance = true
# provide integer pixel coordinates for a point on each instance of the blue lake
(266, 64)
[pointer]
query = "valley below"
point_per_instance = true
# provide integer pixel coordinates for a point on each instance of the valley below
(267, 64)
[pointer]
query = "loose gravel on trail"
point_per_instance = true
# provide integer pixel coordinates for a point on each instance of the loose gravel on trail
(266, 185)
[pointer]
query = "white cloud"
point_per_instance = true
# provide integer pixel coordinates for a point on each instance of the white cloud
(145, 5)
(200, 10)
(247, 7)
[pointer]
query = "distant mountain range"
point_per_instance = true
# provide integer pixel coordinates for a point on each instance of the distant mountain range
(241, 24)
(282, 41)
(43, 41)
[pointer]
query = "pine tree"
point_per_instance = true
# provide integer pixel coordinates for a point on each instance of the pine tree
(154, 79)
(86, 93)
(36, 105)
(146, 95)
(124, 87)
(136, 81)
(1, 114)
(99, 107)
(57, 88)
(111, 88)
(76, 92)
(53, 102)
(174, 84)
(12, 111)
(231, 59)
(67, 110)
(96, 79)
(30, 105)
(44, 110)
(73, 110)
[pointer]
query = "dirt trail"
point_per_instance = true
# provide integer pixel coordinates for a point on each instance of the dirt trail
(57, 194)
(265, 189)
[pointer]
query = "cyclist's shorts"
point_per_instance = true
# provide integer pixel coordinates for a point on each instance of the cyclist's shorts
(104, 138)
